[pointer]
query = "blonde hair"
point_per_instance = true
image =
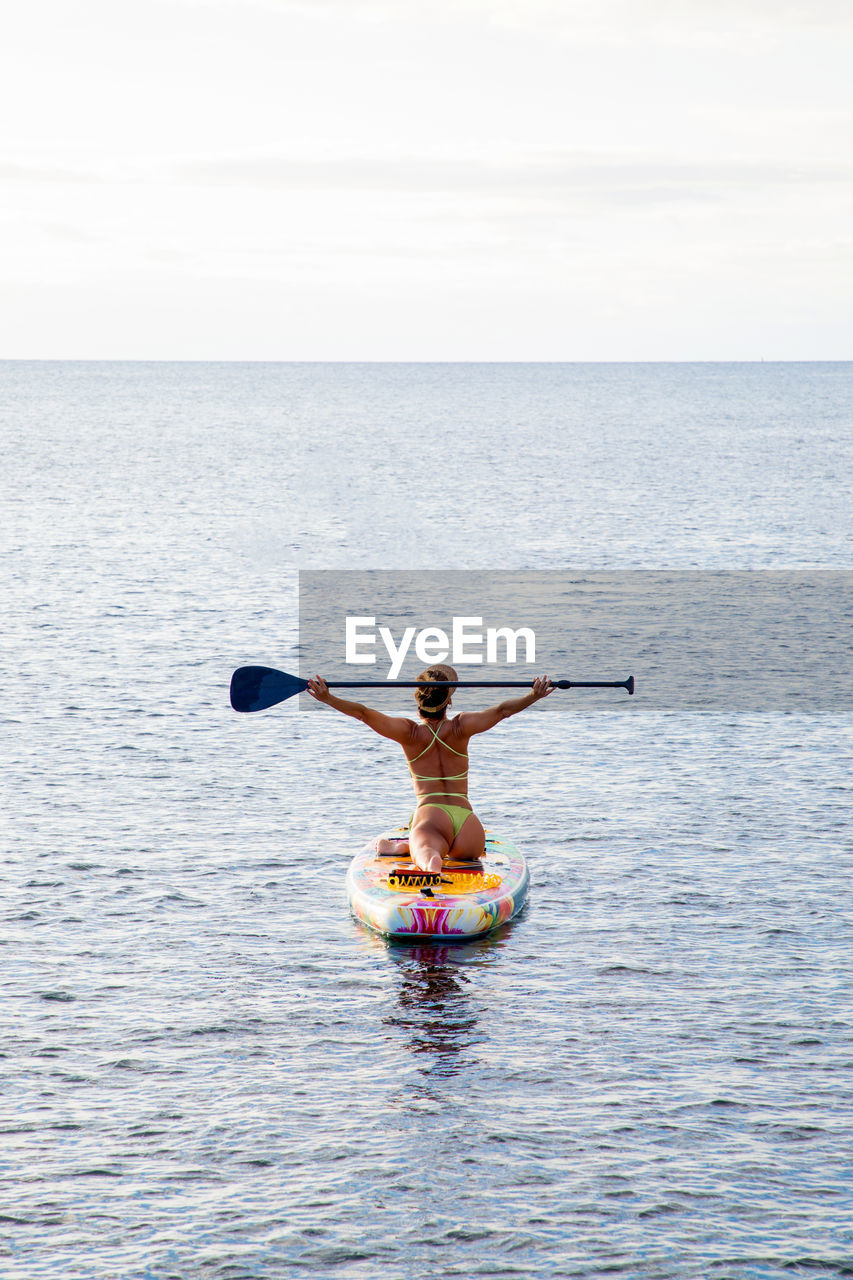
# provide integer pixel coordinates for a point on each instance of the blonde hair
(432, 702)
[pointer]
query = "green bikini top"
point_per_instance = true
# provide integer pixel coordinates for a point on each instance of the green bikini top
(453, 777)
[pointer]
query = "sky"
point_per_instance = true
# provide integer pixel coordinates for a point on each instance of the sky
(427, 180)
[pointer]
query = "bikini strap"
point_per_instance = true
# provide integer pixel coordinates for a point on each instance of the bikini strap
(445, 795)
(435, 739)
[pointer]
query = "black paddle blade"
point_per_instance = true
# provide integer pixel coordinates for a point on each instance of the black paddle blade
(256, 688)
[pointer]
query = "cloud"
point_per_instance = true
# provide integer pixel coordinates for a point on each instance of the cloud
(548, 176)
(29, 173)
(608, 21)
(673, 16)
(67, 232)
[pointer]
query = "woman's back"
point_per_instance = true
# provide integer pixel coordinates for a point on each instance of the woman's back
(441, 766)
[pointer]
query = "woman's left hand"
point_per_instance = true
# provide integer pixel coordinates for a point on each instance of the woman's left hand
(318, 689)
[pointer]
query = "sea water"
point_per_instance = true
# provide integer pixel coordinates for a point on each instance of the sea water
(208, 1070)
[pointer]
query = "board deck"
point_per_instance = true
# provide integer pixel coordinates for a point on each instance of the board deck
(470, 900)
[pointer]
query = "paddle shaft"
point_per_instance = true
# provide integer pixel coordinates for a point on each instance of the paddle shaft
(478, 684)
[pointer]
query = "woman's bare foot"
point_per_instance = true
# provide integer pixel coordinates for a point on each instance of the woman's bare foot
(426, 858)
(393, 844)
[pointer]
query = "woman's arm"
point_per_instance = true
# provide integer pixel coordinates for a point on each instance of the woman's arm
(471, 722)
(394, 727)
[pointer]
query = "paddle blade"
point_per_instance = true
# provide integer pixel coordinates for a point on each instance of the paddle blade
(256, 688)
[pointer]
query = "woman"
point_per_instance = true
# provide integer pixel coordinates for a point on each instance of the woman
(437, 752)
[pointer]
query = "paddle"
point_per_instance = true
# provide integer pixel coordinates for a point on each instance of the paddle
(256, 688)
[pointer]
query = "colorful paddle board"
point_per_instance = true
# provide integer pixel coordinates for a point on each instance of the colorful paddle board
(386, 893)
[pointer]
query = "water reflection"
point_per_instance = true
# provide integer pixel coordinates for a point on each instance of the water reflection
(438, 1006)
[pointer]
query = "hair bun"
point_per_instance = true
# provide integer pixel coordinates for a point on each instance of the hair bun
(432, 701)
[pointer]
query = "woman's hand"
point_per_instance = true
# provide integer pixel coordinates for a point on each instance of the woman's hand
(542, 687)
(318, 689)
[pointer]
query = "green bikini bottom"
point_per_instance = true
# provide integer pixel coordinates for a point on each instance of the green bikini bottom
(455, 812)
